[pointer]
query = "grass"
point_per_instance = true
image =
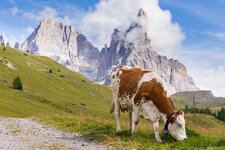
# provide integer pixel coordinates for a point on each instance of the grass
(104, 131)
(70, 102)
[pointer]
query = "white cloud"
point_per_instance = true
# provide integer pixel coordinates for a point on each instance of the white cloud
(218, 35)
(206, 64)
(213, 79)
(14, 11)
(98, 24)
(47, 13)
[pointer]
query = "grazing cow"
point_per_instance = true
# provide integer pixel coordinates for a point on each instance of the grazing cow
(135, 91)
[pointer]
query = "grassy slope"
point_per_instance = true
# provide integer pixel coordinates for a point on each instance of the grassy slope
(46, 89)
(55, 100)
(182, 101)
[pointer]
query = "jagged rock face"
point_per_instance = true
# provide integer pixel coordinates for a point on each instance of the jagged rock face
(17, 45)
(133, 48)
(4, 40)
(63, 44)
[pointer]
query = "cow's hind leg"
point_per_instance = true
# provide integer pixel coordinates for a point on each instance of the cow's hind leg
(135, 119)
(156, 130)
(130, 119)
(117, 115)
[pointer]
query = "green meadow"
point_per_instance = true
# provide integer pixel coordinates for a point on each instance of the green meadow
(68, 101)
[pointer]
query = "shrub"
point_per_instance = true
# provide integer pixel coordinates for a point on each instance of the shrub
(50, 71)
(186, 110)
(17, 84)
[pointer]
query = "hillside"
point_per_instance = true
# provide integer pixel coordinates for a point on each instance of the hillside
(70, 102)
(202, 99)
(60, 91)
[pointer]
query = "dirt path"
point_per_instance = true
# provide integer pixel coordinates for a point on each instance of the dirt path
(26, 134)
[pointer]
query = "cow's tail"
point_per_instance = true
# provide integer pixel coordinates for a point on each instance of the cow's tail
(112, 107)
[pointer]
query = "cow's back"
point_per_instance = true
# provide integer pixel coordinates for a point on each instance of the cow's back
(125, 85)
(129, 79)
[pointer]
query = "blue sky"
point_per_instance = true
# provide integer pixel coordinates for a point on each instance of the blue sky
(202, 22)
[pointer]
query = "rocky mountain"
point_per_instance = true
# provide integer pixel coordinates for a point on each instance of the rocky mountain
(17, 45)
(133, 48)
(65, 45)
(4, 40)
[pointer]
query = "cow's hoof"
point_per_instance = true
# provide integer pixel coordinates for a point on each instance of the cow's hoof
(118, 132)
(160, 141)
(133, 133)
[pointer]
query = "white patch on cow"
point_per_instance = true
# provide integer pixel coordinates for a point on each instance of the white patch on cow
(163, 116)
(152, 75)
(156, 130)
(135, 118)
(115, 81)
(177, 129)
(149, 111)
(125, 102)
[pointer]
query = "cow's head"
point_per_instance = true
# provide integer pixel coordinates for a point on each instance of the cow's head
(177, 126)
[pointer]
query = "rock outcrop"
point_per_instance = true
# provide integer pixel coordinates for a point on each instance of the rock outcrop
(4, 40)
(65, 45)
(130, 48)
(17, 45)
(133, 48)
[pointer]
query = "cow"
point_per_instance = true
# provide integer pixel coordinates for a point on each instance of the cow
(140, 91)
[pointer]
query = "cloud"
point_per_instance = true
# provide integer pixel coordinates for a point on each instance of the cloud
(218, 35)
(48, 13)
(213, 79)
(14, 11)
(99, 23)
(204, 10)
(206, 64)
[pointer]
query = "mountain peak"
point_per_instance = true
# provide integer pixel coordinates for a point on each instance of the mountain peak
(64, 44)
(141, 12)
(4, 40)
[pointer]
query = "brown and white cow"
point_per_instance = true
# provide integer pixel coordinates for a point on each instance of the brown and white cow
(135, 91)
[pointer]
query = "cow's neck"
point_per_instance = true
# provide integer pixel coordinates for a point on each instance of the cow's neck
(167, 107)
(162, 102)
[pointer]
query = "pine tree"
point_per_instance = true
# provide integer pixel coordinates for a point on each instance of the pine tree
(186, 109)
(221, 114)
(17, 84)
(50, 71)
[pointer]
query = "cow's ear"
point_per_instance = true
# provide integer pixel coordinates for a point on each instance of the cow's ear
(180, 112)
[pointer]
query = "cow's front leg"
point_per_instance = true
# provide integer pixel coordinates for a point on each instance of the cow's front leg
(117, 115)
(156, 130)
(135, 118)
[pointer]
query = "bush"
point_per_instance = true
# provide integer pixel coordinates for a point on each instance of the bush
(50, 71)
(17, 84)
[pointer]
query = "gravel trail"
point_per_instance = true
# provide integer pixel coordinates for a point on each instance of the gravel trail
(26, 134)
